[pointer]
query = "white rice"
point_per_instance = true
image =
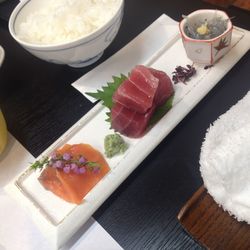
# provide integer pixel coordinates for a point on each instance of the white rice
(225, 160)
(61, 21)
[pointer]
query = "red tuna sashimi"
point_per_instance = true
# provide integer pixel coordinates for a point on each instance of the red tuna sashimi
(132, 98)
(128, 122)
(165, 89)
(144, 80)
(121, 117)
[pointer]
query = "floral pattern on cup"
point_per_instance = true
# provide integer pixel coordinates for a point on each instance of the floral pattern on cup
(206, 51)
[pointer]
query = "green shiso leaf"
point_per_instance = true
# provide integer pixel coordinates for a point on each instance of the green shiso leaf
(161, 111)
(106, 93)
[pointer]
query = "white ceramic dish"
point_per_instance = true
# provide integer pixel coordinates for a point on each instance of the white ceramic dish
(58, 219)
(78, 53)
(211, 50)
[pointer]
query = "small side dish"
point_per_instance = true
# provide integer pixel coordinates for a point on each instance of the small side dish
(206, 35)
(72, 171)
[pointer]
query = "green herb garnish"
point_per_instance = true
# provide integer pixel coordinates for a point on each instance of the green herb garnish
(114, 144)
(40, 164)
(92, 164)
(106, 93)
(161, 111)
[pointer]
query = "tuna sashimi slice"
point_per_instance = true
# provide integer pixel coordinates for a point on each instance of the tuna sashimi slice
(144, 80)
(131, 97)
(121, 117)
(73, 187)
(134, 123)
(165, 89)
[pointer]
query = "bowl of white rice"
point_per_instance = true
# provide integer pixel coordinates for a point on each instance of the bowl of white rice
(73, 32)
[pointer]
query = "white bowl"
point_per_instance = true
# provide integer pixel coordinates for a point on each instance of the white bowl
(206, 51)
(78, 53)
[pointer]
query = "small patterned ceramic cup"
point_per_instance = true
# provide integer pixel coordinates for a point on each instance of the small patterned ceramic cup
(210, 50)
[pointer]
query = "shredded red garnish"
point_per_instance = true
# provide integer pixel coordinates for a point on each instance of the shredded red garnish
(183, 74)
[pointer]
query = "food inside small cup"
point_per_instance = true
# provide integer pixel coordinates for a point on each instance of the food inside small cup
(204, 28)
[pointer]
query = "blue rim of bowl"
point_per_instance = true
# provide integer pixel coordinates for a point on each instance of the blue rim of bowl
(118, 15)
(87, 62)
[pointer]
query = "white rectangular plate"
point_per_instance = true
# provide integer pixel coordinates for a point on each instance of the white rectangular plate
(58, 219)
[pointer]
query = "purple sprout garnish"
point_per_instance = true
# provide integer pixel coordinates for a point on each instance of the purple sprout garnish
(66, 169)
(82, 160)
(67, 163)
(96, 170)
(82, 170)
(53, 156)
(73, 166)
(66, 156)
(58, 164)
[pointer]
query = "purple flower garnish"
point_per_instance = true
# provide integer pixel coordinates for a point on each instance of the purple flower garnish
(66, 169)
(96, 170)
(73, 166)
(76, 170)
(82, 160)
(53, 165)
(58, 164)
(68, 163)
(54, 156)
(66, 156)
(82, 170)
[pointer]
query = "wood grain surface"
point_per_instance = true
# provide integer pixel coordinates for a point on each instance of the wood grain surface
(210, 225)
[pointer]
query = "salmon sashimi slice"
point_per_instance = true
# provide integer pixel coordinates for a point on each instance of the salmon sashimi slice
(132, 97)
(71, 186)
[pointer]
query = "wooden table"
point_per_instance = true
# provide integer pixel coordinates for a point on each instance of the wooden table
(40, 104)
